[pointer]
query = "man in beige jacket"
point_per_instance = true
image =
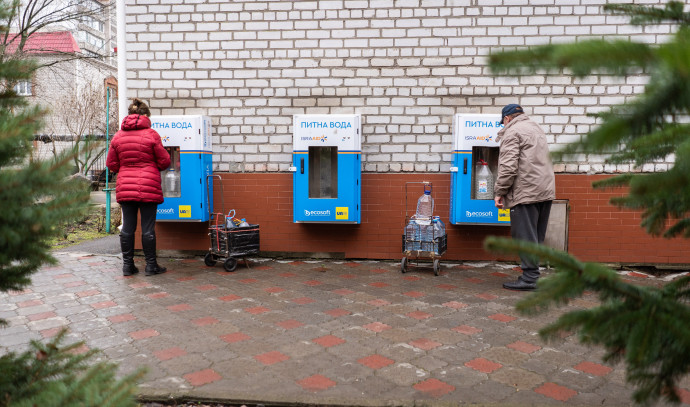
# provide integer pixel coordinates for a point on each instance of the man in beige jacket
(525, 184)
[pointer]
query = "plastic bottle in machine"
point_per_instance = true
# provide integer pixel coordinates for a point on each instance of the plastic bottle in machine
(425, 205)
(243, 223)
(171, 184)
(484, 181)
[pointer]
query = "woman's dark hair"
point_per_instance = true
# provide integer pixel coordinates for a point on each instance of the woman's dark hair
(139, 107)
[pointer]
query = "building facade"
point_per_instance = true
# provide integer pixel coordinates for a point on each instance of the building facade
(72, 89)
(407, 66)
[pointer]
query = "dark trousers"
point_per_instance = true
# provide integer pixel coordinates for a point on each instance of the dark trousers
(148, 217)
(528, 222)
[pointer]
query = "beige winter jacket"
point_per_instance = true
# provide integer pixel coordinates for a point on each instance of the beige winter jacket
(525, 171)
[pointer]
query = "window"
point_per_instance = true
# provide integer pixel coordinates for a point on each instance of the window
(23, 88)
(95, 41)
(93, 23)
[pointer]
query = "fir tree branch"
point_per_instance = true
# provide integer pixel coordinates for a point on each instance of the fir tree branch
(654, 146)
(642, 15)
(581, 58)
(613, 182)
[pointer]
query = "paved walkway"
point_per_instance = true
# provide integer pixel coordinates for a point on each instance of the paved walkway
(323, 332)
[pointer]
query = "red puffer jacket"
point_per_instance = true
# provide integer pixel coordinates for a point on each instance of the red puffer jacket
(137, 156)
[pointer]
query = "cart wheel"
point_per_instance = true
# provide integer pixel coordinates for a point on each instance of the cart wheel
(437, 266)
(403, 265)
(230, 264)
(209, 260)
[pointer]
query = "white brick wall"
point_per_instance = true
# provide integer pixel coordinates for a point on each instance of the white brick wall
(406, 65)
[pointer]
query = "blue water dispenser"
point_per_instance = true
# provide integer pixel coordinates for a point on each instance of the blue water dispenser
(327, 168)
(474, 171)
(185, 189)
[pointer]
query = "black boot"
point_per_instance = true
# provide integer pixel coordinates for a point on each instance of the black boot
(127, 246)
(148, 243)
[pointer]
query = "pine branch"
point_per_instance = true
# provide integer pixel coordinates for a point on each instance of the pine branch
(53, 374)
(614, 181)
(581, 58)
(656, 145)
(642, 15)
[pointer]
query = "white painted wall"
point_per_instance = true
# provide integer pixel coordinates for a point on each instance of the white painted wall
(406, 65)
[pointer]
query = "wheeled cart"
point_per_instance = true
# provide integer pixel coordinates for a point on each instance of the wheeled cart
(229, 243)
(421, 241)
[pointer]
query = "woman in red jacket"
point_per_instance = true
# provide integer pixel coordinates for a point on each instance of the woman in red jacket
(137, 156)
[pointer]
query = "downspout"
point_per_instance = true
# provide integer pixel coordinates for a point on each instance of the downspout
(121, 60)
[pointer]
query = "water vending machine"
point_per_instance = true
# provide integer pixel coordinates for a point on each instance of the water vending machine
(185, 190)
(326, 161)
(474, 171)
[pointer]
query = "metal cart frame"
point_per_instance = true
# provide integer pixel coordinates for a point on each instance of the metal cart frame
(228, 244)
(421, 250)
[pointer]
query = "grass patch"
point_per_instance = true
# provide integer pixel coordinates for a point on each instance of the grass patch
(91, 226)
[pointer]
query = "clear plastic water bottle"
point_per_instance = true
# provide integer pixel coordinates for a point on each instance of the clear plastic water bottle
(484, 181)
(417, 245)
(441, 227)
(229, 224)
(243, 223)
(410, 235)
(425, 205)
(427, 238)
(171, 184)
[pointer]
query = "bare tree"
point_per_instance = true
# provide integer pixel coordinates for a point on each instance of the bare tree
(81, 117)
(30, 16)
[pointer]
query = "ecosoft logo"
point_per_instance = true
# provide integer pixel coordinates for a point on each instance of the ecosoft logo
(317, 213)
(167, 211)
(488, 214)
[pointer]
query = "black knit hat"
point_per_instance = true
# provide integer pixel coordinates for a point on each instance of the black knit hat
(510, 109)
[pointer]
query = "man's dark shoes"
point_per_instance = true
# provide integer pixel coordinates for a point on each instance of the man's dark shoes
(519, 285)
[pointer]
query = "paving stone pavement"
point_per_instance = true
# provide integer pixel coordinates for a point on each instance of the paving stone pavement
(320, 332)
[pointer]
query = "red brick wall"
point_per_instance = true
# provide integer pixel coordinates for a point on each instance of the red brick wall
(597, 230)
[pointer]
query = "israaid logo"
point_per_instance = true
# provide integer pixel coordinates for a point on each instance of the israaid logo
(165, 138)
(317, 213)
(479, 214)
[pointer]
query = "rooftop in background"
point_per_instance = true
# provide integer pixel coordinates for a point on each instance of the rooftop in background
(57, 42)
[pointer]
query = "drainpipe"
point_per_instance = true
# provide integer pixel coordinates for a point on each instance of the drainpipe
(121, 60)
(107, 188)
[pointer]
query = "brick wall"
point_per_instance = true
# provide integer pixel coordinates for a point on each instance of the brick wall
(597, 230)
(406, 65)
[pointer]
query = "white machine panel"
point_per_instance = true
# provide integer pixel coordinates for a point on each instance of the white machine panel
(475, 130)
(338, 130)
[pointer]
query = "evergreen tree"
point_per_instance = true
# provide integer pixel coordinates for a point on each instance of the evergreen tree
(53, 375)
(36, 197)
(645, 327)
